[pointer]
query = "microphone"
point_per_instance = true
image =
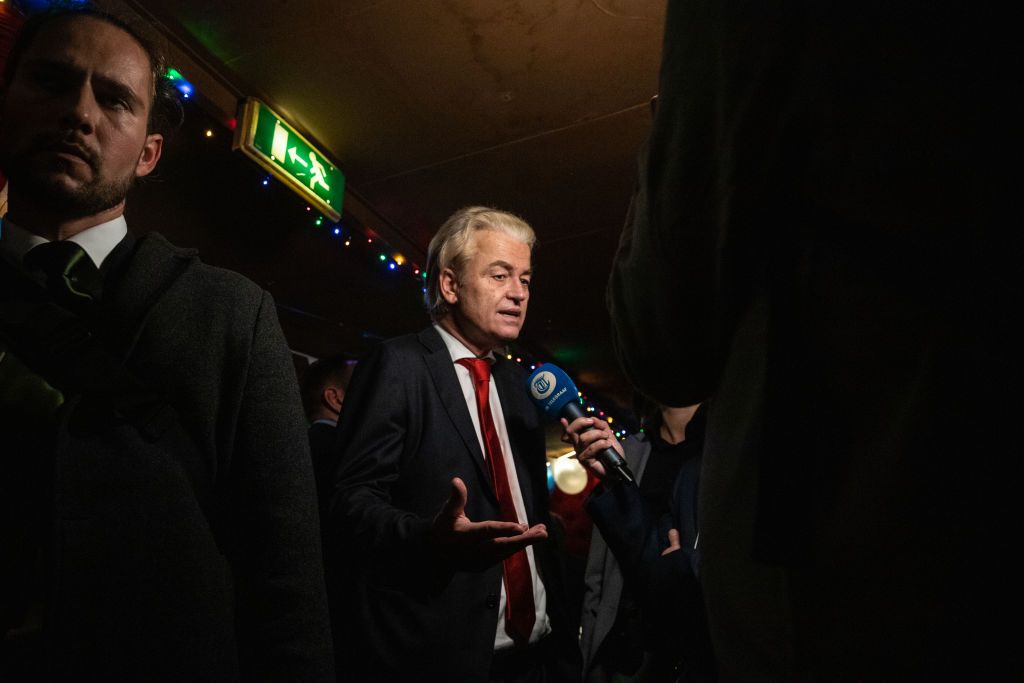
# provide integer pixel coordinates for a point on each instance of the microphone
(554, 393)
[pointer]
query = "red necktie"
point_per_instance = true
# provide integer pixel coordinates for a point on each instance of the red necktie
(519, 610)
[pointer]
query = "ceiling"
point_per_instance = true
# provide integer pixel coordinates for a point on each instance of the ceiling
(533, 106)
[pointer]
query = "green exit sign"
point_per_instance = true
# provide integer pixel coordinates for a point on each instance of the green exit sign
(264, 137)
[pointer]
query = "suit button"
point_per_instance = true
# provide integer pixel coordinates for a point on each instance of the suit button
(492, 601)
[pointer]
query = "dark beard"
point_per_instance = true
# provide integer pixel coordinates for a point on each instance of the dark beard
(43, 190)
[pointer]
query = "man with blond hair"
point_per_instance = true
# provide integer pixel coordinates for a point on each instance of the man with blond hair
(441, 497)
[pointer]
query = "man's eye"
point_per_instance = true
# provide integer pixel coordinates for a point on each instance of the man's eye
(499, 276)
(524, 282)
(115, 102)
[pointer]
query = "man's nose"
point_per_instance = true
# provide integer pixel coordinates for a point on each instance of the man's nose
(517, 291)
(81, 110)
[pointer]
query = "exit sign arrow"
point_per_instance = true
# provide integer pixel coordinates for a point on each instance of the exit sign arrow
(296, 159)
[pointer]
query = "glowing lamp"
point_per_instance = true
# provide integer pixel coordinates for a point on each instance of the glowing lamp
(570, 476)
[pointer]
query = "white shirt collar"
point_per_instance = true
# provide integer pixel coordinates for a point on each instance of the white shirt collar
(97, 241)
(456, 348)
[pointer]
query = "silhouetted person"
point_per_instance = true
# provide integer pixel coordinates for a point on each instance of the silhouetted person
(821, 240)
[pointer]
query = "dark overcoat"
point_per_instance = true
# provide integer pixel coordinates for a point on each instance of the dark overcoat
(185, 547)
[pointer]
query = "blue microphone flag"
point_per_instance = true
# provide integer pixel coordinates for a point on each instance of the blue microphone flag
(550, 388)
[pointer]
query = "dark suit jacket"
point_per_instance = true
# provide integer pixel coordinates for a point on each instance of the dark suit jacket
(666, 587)
(405, 432)
(188, 554)
(321, 446)
(603, 577)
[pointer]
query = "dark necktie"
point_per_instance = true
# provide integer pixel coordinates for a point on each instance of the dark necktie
(72, 278)
(519, 609)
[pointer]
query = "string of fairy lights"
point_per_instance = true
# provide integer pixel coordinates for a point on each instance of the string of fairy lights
(391, 261)
(377, 248)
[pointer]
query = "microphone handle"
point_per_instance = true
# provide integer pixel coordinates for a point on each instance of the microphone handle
(613, 463)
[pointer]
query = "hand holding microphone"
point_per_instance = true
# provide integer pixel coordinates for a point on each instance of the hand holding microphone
(554, 393)
(589, 437)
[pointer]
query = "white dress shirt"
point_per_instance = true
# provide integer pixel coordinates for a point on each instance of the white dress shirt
(458, 350)
(97, 241)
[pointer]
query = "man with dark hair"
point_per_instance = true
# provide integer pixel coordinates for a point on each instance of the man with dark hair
(323, 388)
(157, 516)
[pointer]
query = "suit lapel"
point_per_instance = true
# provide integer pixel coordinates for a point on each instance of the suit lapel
(636, 457)
(117, 259)
(686, 496)
(140, 274)
(442, 372)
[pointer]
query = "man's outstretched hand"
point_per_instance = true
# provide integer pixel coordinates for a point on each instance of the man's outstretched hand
(673, 543)
(478, 544)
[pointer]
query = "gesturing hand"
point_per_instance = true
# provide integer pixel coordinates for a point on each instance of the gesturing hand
(673, 542)
(479, 544)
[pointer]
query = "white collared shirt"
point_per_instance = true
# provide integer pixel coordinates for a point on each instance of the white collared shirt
(458, 350)
(97, 241)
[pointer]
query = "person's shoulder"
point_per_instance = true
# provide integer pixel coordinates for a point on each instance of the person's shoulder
(639, 437)
(397, 361)
(219, 282)
(399, 350)
(319, 430)
(636, 444)
(412, 341)
(394, 348)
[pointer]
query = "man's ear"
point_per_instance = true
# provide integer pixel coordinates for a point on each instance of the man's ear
(150, 154)
(449, 286)
(333, 397)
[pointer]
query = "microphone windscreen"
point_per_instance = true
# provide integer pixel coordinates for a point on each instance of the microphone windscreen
(551, 389)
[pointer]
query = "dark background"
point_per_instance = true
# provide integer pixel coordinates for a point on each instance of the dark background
(533, 106)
